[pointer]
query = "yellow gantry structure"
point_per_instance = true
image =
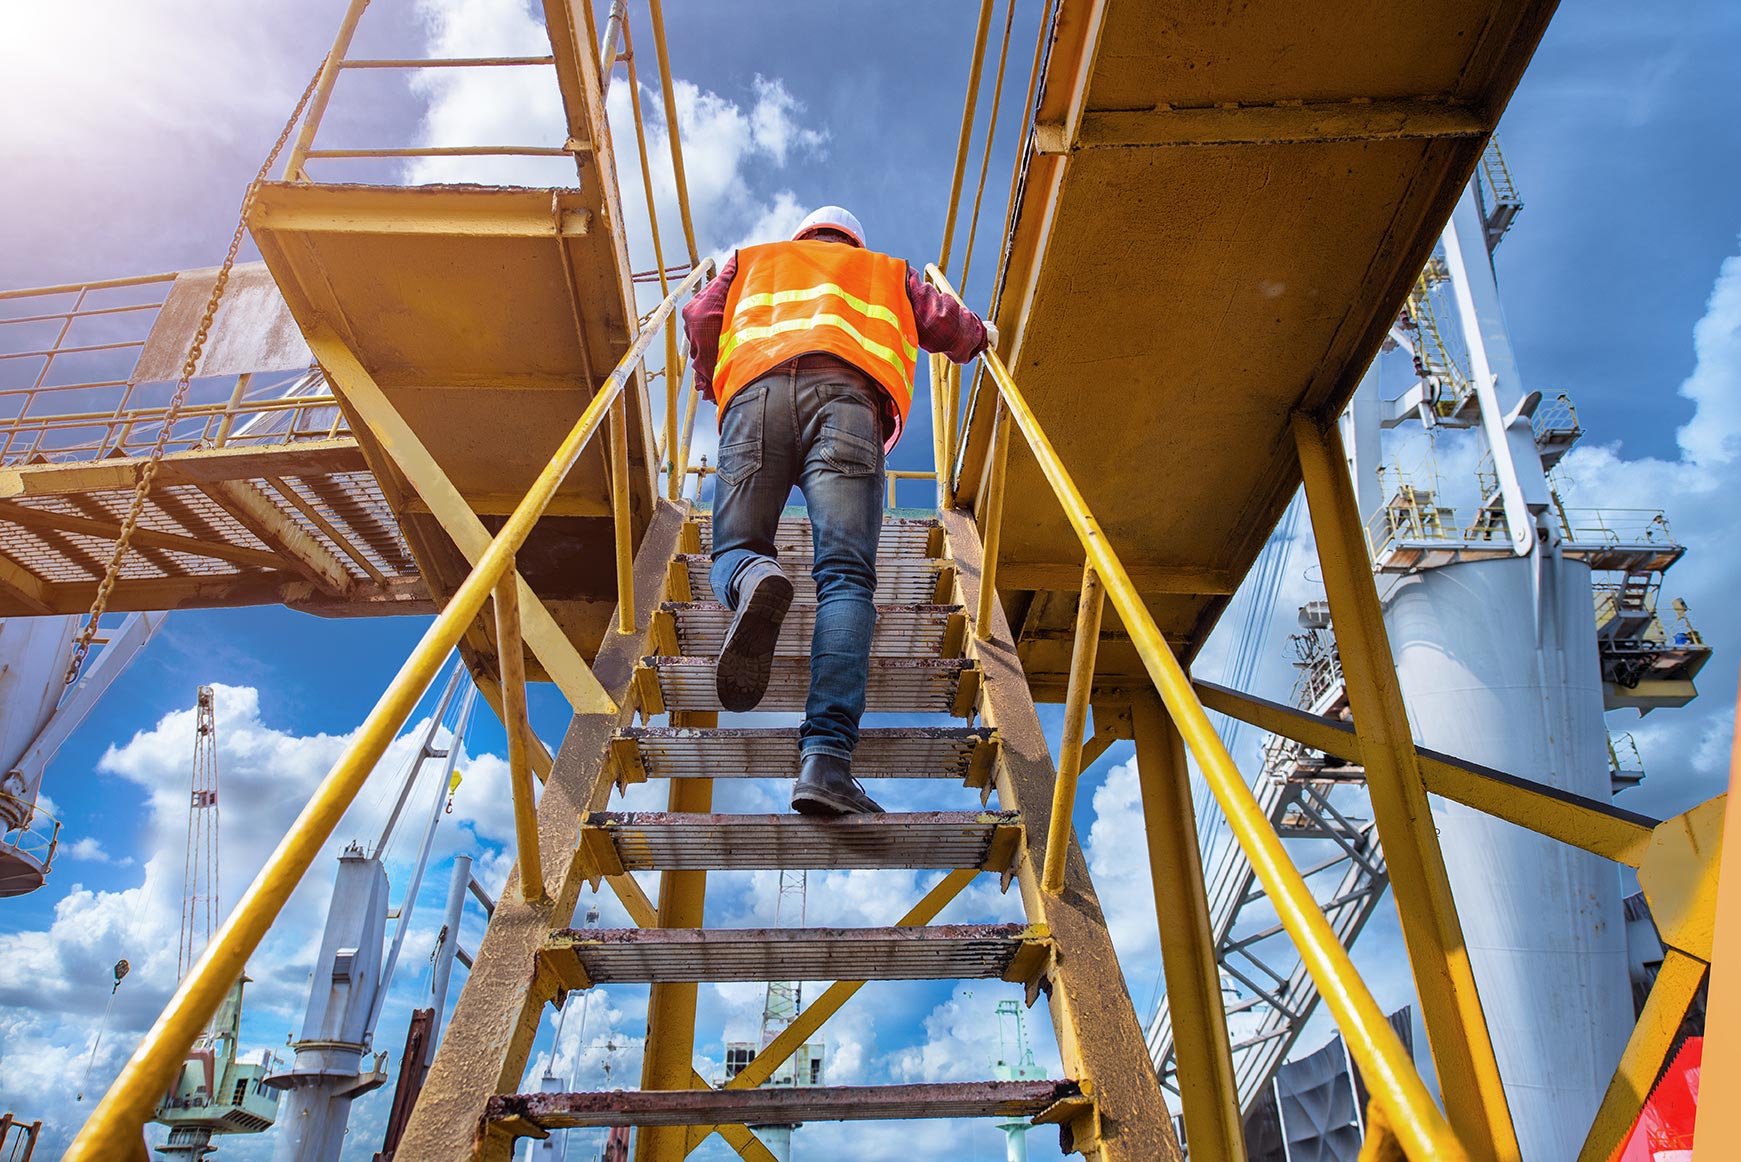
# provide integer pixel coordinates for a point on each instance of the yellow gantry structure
(1216, 216)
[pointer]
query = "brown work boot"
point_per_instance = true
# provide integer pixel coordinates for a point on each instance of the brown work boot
(825, 786)
(764, 596)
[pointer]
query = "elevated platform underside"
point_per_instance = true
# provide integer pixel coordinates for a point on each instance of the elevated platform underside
(487, 318)
(304, 525)
(1223, 213)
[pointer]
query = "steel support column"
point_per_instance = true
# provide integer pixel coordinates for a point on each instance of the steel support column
(667, 1061)
(1207, 1092)
(1474, 1098)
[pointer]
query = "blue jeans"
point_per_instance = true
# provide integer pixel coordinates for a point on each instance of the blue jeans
(815, 422)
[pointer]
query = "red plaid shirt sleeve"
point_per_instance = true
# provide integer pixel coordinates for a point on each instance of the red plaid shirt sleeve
(944, 325)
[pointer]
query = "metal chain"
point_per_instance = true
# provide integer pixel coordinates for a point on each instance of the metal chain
(148, 474)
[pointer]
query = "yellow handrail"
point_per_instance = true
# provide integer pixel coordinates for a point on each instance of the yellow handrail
(1389, 1072)
(116, 1127)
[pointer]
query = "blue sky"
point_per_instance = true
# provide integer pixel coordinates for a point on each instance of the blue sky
(1625, 142)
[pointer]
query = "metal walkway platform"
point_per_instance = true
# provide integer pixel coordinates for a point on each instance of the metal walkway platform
(900, 580)
(581, 958)
(700, 1107)
(884, 752)
(657, 840)
(902, 631)
(915, 685)
(902, 537)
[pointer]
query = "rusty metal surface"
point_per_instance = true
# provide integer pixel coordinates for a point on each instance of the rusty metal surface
(1099, 1037)
(700, 1107)
(914, 630)
(918, 685)
(931, 752)
(642, 955)
(254, 330)
(644, 840)
(900, 580)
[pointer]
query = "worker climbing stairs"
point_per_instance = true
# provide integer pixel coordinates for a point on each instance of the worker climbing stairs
(921, 665)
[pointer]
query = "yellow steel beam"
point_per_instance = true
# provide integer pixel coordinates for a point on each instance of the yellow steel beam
(1372, 1042)
(1719, 1122)
(537, 754)
(200, 465)
(1316, 121)
(512, 657)
(1082, 654)
(667, 91)
(1450, 1004)
(315, 517)
(991, 523)
(667, 1059)
(962, 147)
(543, 634)
(1594, 826)
(832, 1000)
(1148, 579)
(257, 513)
(1676, 983)
(25, 587)
(1208, 1094)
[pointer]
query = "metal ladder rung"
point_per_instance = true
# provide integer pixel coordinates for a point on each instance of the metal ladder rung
(901, 580)
(614, 842)
(911, 685)
(967, 753)
(900, 537)
(583, 957)
(774, 1106)
(698, 628)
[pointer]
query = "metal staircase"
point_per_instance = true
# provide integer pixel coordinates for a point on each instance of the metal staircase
(919, 666)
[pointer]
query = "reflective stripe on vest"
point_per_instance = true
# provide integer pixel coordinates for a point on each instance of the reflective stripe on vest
(795, 298)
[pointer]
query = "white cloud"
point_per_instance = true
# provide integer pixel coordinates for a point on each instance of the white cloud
(55, 981)
(90, 849)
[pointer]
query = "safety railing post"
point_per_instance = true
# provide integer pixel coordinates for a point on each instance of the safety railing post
(329, 75)
(620, 516)
(991, 526)
(511, 656)
(1082, 656)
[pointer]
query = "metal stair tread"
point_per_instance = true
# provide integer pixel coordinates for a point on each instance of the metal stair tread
(900, 580)
(912, 685)
(884, 752)
(617, 841)
(778, 1105)
(900, 536)
(908, 630)
(583, 957)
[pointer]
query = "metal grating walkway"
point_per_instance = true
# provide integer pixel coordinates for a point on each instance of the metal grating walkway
(901, 537)
(900, 580)
(656, 840)
(912, 685)
(703, 1107)
(903, 631)
(581, 958)
(884, 752)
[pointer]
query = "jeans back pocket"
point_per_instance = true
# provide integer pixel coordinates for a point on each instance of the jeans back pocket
(740, 435)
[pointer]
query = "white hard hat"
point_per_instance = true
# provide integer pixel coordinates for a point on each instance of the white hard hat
(831, 218)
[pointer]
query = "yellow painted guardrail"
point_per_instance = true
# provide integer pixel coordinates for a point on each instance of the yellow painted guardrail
(1408, 1108)
(116, 1127)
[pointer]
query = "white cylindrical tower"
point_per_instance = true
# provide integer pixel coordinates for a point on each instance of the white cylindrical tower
(1488, 679)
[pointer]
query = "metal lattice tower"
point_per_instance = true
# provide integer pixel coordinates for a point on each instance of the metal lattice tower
(199, 885)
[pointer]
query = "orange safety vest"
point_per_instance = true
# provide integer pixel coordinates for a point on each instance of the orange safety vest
(795, 298)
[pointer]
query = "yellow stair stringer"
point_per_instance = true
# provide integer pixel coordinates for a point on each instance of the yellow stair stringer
(1099, 1036)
